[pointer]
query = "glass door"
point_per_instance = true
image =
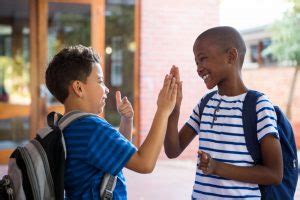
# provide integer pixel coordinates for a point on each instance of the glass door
(15, 67)
(69, 22)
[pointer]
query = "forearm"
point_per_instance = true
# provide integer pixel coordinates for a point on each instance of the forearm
(172, 142)
(126, 127)
(258, 174)
(151, 147)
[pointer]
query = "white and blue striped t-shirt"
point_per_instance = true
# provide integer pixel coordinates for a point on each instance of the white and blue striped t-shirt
(94, 147)
(225, 142)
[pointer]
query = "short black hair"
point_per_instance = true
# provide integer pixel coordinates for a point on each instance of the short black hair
(226, 37)
(70, 64)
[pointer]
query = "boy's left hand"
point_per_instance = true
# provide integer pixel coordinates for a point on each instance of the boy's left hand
(207, 164)
(124, 107)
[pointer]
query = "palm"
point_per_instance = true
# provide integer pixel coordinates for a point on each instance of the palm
(175, 72)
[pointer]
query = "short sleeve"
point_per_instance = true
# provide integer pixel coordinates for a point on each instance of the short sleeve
(194, 119)
(108, 149)
(266, 118)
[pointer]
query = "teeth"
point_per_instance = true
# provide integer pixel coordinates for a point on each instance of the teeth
(205, 77)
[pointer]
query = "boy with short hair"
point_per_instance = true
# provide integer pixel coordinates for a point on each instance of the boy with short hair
(94, 147)
(225, 168)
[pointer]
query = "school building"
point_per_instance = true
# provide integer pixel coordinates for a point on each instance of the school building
(138, 40)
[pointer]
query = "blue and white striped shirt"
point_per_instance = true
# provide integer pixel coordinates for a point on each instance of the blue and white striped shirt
(225, 142)
(93, 148)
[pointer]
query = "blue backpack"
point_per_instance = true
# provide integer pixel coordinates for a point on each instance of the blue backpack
(285, 190)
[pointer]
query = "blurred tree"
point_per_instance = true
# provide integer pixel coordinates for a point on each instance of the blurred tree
(14, 78)
(286, 44)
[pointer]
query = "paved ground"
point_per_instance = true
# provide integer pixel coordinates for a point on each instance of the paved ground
(171, 179)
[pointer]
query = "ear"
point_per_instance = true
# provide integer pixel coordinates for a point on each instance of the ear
(77, 88)
(232, 55)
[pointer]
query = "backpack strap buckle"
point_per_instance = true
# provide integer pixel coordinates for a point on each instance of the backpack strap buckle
(108, 195)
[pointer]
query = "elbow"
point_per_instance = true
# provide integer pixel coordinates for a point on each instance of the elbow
(147, 168)
(277, 179)
(171, 155)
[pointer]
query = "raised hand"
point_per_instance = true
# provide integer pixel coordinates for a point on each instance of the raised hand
(207, 164)
(175, 73)
(167, 95)
(124, 107)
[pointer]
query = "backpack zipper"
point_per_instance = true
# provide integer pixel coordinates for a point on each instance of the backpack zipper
(46, 165)
(30, 170)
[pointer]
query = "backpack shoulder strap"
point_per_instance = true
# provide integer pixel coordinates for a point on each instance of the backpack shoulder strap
(249, 117)
(204, 101)
(70, 117)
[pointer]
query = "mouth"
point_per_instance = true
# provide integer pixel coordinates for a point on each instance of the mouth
(205, 77)
(103, 99)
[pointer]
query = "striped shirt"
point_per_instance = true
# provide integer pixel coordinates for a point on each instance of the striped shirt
(94, 147)
(224, 140)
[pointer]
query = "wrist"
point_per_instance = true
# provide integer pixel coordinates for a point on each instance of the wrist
(162, 112)
(216, 167)
(127, 119)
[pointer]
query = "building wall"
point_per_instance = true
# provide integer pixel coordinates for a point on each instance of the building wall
(276, 83)
(168, 31)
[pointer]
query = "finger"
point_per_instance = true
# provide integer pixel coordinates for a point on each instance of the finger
(200, 152)
(118, 98)
(174, 93)
(172, 70)
(125, 100)
(176, 73)
(203, 156)
(171, 87)
(125, 109)
(180, 86)
(167, 83)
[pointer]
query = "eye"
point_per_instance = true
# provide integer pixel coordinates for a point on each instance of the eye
(101, 82)
(202, 59)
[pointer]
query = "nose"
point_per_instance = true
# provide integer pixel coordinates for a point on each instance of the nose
(106, 90)
(199, 69)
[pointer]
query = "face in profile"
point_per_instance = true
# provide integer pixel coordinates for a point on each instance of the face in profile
(210, 61)
(95, 90)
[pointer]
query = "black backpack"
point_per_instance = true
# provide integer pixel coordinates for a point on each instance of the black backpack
(36, 170)
(286, 189)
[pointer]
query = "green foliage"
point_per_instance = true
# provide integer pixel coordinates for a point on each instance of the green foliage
(14, 76)
(70, 29)
(285, 36)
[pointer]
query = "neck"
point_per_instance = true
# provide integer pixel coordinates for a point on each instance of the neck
(74, 105)
(233, 86)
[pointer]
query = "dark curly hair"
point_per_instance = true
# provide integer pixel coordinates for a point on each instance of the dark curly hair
(70, 64)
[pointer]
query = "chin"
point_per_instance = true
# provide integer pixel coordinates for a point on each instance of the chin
(210, 86)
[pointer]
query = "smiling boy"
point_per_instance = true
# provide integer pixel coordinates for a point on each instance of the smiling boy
(225, 168)
(94, 147)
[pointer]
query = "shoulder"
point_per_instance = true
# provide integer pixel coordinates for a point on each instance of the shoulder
(92, 120)
(209, 95)
(263, 102)
(90, 124)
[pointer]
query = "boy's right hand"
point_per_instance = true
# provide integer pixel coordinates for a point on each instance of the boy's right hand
(167, 95)
(175, 73)
(207, 164)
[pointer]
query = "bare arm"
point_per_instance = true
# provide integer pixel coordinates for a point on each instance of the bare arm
(175, 142)
(126, 127)
(270, 172)
(125, 109)
(144, 160)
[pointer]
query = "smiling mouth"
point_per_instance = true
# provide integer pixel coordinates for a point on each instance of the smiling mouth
(205, 77)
